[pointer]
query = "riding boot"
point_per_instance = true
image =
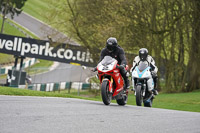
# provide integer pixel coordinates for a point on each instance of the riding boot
(127, 84)
(155, 92)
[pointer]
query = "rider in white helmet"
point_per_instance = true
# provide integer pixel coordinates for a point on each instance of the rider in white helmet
(147, 59)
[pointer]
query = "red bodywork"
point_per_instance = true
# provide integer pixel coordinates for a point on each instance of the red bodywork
(116, 82)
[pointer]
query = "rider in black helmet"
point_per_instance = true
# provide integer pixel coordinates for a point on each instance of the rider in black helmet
(143, 53)
(111, 44)
(114, 50)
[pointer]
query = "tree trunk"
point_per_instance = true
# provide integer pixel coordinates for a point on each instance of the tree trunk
(194, 64)
(4, 16)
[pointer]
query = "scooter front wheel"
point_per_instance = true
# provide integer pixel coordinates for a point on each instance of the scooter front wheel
(106, 97)
(139, 98)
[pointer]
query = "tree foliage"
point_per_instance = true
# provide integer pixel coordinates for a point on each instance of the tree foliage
(170, 29)
(11, 6)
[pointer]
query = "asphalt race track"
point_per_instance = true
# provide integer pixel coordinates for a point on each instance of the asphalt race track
(64, 115)
(63, 73)
(40, 29)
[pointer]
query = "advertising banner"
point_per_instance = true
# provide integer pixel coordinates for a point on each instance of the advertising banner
(27, 47)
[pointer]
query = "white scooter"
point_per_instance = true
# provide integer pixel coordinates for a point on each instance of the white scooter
(143, 85)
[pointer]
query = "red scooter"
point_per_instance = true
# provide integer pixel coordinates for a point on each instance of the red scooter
(112, 83)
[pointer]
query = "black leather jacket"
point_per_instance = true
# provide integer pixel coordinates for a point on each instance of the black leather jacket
(118, 54)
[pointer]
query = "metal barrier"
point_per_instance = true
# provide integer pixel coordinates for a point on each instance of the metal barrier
(64, 77)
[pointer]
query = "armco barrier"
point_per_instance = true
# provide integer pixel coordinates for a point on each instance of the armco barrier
(95, 86)
(38, 87)
(56, 87)
(31, 87)
(43, 87)
(15, 86)
(49, 86)
(22, 86)
(86, 86)
(61, 86)
(29, 62)
(68, 85)
(2, 71)
(76, 85)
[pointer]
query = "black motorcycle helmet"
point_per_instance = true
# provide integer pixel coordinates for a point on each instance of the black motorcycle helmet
(143, 53)
(111, 44)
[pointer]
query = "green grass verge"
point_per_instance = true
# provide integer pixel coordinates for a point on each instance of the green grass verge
(178, 101)
(8, 29)
(49, 11)
(37, 8)
(5, 58)
(40, 67)
(23, 92)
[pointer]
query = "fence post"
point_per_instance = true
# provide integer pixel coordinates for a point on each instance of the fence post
(70, 79)
(79, 83)
(0, 70)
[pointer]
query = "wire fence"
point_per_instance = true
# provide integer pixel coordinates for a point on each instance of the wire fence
(60, 74)
(68, 78)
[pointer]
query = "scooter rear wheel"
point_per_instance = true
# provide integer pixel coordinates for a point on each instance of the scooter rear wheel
(123, 101)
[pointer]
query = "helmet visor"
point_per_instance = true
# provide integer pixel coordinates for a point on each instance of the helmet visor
(110, 47)
(143, 57)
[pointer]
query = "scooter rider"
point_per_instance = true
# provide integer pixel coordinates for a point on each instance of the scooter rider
(144, 57)
(115, 51)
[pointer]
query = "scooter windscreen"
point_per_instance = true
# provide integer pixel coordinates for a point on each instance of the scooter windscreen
(142, 66)
(107, 64)
(107, 60)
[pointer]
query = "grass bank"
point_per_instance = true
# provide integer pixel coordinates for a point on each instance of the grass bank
(23, 92)
(37, 8)
(178, 101)
(49, 12)
(8, 29)
(40, 67)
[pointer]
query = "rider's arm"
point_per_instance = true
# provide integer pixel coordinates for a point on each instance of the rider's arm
(154, 68)
(135, 62)
(101, 58)
(152, 64)
(122, 57)
(102, 55)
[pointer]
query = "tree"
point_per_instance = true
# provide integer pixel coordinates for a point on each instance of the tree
(194, 64)
(170, 29)
(11, 7)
